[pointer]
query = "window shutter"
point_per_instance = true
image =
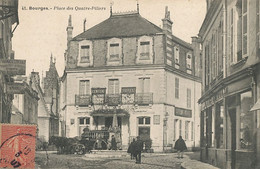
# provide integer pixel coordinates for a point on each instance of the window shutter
(140, 85)
(87, 87)
(116, 81)
(81, 87)
(146, 85)
(110, 87)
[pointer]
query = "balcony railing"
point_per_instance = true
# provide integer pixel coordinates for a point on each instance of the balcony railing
(113, 99)
(83, 100)
(144, 98)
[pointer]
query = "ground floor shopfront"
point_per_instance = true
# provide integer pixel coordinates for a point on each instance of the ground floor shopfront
(157, 123)
(229, 130)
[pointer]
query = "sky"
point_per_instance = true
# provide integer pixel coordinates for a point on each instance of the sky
(41, 33)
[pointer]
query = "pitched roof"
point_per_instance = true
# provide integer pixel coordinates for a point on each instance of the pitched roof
(124, 25)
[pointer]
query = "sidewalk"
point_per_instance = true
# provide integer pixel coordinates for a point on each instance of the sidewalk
(195, 164)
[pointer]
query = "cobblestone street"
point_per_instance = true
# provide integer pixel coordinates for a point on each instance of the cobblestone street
(150, 161)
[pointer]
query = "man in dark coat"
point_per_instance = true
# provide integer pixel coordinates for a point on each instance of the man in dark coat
(180, 146)
(131, 149)
(113, 143)
(138, 148)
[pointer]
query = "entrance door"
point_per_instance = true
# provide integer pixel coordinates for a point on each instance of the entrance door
(232, 115)
(108, 122)
(144, 133)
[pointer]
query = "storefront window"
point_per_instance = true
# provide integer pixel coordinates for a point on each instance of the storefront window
(219, 125)
(246, 121)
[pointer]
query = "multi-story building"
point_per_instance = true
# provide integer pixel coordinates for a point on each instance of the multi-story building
(25, 103)
(231, 84)
(48, 109)
(8, 65)
(129, 77)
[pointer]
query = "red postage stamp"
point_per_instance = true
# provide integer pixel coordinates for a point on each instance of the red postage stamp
(17, 146)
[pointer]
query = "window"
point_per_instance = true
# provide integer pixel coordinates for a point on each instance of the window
(213, 55)
(244, 27)
(144, 120)
(188, 61)
(84, 54)
(188, 98)
(114, 51)
(232, 36)
(180, 128)
(144, 85)
(113, 86)
(84, 87)
(176, 55)
(220, 48)
(246, 119)
(187, 125)
(176, 88)
(144, 50)
(83, 123)
(219, 125)
(144, 53)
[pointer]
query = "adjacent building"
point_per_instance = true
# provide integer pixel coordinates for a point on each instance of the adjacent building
(9, 67)
(25, 103)
(48, 106)
(129, 77)
(230, 121)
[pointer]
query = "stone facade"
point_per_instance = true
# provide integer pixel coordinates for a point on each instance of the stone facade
(230, 43)
(8, 20)
(142, 96)
(25, 104)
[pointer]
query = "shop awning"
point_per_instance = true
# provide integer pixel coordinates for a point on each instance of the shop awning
(256, 106)
(110, 112)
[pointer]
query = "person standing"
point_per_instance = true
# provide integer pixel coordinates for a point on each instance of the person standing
(113, 143)
(180, 146)
(131, 149)
(138, 148)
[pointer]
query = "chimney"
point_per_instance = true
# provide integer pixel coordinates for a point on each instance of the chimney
(195, 43)
(69, 30)
(84, 25)
(167, 23)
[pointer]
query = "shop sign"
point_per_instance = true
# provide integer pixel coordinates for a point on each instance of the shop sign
(128, 90)
(183, 112)
(98, 90)
(15, 88)
(13, 66)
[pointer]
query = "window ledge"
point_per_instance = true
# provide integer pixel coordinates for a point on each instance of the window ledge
(113, 60)
(245, 151)
(239, 63)
(84, 62)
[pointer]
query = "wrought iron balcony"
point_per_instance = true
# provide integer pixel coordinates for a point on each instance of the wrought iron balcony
(144, 98)
(83, 100)
(113, 99)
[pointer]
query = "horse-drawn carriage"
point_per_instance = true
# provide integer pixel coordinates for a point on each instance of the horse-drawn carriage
(89, 140)
(92, 140)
